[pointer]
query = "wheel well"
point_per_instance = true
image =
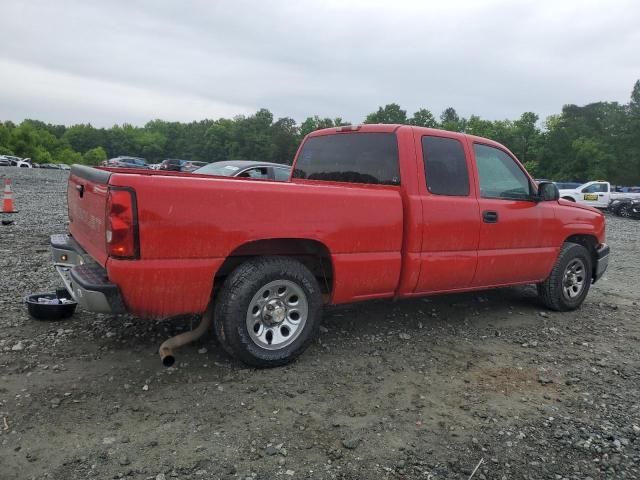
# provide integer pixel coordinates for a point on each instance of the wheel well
(311, 253)
(590, 243)
(571, 199)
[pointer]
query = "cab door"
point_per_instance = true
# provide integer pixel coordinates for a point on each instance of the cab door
(514, 246)
(450, 214)
(596, 194)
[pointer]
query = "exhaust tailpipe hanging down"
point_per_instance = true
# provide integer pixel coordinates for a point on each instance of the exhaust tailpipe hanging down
(168, 347)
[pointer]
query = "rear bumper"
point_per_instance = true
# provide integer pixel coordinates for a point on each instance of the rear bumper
(86, 281)
(602, 261)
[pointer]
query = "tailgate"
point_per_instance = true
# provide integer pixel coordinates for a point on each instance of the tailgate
(87, 201)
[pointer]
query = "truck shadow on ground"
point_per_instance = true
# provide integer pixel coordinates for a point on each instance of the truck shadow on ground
(342, 326)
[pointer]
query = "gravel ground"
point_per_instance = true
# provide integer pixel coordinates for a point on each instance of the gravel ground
(425, 388)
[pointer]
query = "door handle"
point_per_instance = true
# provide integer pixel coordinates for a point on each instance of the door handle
(490, 216)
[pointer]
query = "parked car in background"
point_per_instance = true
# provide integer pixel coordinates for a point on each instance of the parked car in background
(180, 165)
(50, 166)
(596, 194)
(567, 185)
(625, 207)
(154, 166)
(627, 189)
(123, 161)
(13, 161)
(23, 163)
(173, 164)
(64, 166)
(247, 169)
(192, 166)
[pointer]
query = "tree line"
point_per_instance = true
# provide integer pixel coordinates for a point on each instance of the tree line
(599, 140)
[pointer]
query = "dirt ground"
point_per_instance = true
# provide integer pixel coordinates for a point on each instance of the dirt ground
(425, 388)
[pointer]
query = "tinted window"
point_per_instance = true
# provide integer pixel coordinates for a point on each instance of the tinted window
(500, 176)
(350, 157)
(445, 166)
(282, 174)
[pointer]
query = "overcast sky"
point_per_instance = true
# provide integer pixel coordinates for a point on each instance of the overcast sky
(107, 62)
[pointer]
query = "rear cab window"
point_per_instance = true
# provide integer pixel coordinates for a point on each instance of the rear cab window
(445, 166)
(370, 158)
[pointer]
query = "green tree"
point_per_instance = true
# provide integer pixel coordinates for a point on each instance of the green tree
(482, 128)
(311, 124)
(94, 156)
(83, 137)
(423, 118)
(284, 140)
(450, 120)
(391, 113)
(67, 155)
(526, 133)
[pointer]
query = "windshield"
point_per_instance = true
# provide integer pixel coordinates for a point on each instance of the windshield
(222, 169)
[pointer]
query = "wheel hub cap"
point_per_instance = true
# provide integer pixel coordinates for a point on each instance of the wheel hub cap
(574, 279)
(274, 312)
(277, 314)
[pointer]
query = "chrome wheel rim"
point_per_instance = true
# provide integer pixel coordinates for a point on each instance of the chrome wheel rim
(624, 212)
(277, 314)
(574, 278)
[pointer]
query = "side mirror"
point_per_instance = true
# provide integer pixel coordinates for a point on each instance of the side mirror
(547, 191)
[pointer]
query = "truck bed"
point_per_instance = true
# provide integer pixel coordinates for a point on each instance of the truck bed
(189, 224)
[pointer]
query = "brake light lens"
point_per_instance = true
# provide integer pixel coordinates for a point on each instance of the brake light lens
(122, 224)
(348, 128)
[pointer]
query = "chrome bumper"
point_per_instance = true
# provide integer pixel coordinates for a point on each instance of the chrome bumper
(86, 281)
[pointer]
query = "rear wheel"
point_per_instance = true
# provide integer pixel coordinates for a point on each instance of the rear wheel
(268, 311)
(568, 284)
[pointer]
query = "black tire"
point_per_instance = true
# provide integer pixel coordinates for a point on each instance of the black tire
(554, 291)
(239, 293)
(625, 211)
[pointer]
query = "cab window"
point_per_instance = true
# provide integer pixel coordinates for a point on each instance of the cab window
(259, 172)
(445, 166)
(500, 175)
(281, 174)
(595, 188)
(350, 157)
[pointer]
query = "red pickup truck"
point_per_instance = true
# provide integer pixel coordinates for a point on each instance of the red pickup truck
(372, 211)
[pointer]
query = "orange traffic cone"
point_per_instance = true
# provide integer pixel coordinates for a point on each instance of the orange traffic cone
(7, 199)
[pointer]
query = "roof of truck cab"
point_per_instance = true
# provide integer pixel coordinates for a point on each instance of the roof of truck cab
(393, 127)
(248, 163)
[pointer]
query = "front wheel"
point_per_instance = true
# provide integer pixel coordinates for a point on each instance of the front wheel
(625, 211)
(268, 311)
(568, 284)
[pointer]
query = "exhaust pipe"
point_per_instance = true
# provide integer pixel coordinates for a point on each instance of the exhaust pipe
(168, 347)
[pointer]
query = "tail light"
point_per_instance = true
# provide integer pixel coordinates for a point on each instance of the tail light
(122, 224)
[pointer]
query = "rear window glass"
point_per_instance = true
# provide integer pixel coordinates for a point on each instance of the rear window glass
(350, 157)
(445, 166)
